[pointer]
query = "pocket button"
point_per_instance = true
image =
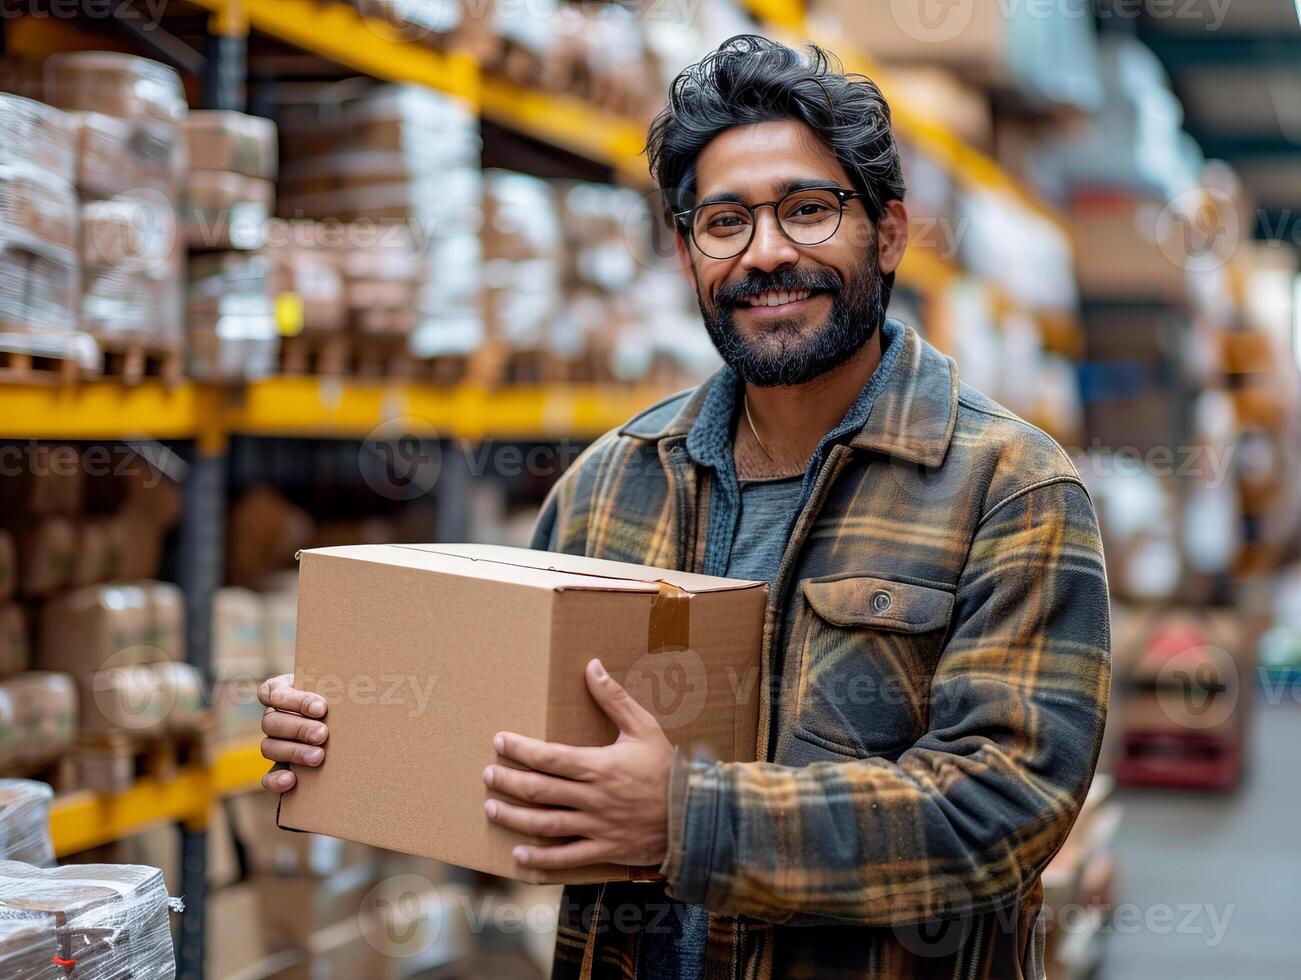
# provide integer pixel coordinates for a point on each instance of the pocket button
(880, 601)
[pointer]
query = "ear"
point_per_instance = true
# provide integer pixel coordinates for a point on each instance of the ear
(892, 236)
(683, 251)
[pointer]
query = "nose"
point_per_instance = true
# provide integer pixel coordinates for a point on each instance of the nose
(770, 249)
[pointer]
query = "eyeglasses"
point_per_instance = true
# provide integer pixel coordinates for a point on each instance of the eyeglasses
(807, 217)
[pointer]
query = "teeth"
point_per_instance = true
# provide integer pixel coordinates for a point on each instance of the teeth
(780, 298)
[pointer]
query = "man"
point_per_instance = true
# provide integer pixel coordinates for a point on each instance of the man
(936, 649)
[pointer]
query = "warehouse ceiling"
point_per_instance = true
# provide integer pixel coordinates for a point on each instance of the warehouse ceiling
(1236, 65)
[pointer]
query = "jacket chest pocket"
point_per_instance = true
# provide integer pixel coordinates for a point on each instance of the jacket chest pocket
(867, 648)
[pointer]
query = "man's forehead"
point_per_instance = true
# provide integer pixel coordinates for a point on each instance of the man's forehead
(765, 159)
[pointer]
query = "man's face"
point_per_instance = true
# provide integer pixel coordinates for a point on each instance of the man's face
(829, 296)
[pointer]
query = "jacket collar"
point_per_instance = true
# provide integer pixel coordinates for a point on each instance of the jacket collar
(912, 418)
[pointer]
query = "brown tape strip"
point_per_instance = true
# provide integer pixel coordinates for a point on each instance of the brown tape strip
(670, 619)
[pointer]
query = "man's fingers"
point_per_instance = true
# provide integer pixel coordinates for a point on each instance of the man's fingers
(559, 856)
(279, 780)
(278, 750)
(294, 728)
(622, 709)
(569, 761)
(534, 787)
(279, 694)
(542, 821)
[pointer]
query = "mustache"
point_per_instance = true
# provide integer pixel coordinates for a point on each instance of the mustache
(730, 294)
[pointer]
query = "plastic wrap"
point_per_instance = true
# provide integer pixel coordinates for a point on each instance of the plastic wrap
(233, 141)
(25, 825)
(38, 214)
(111, 920)
(37, 135)
(119, 85)
(115, 156)
(232, 330)
(29, 946)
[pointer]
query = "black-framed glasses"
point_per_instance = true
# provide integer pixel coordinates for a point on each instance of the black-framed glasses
(807, 217)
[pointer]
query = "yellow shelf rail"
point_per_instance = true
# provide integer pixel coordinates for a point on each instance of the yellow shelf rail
(343, 35)
(314, 407)
(83, 819)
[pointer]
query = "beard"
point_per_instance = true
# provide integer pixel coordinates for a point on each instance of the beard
(782, 354)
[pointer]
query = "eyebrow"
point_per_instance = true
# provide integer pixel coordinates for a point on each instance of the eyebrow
(786, 187)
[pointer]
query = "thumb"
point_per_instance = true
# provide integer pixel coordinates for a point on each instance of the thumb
(630, 717)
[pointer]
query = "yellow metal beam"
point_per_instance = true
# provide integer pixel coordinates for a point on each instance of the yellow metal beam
(570, 124)
(83, 819)
(340, 33)
(98, 410)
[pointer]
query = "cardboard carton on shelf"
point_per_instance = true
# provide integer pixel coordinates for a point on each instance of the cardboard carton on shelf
(87, 629)
(14, 650)
(47, 555)
(1129, 249)
(8, 565)
(504, 634)
(234, 141)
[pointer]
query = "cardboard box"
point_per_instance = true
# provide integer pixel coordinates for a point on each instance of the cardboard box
(37, 135)
(280, 614)
(226, 210)
(8, 565)
(48, 554)
(238, 642)
(1129, 249)
(14, 649)
(294, 907)
(505, 634)
(88, 629)
(220, 140)
(46, 714)
(118, 85)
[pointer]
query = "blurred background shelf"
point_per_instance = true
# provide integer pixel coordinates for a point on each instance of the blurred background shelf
(83, 819)
(316, 407)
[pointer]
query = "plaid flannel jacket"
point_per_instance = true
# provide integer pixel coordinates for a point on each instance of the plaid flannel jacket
(937, 658)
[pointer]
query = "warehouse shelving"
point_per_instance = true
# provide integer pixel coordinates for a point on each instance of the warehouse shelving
(84, 819)
(313, 406)
(340, 34)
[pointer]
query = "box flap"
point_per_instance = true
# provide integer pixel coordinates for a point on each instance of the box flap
(534, 576)
(581, 565)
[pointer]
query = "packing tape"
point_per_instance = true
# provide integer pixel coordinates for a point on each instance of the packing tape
(670, 619)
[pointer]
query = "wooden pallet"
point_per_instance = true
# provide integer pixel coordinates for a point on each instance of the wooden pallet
(110, 762)
(385, 356)
(60, 772)
(320, 354)
(136, 359)
(19, 368)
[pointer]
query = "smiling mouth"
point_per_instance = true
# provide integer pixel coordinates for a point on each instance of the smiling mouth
(774, 298)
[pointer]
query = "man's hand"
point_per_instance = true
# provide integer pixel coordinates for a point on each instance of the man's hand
(291, 734)
(612, 798)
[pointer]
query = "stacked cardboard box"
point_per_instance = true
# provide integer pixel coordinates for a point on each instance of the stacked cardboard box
(400, 166)
(129, 114)
(111, 920)
(39, 221)
(230, 189)
(123, 643)
(25, 822)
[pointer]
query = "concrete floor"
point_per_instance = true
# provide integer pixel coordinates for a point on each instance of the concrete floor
(1189, 864)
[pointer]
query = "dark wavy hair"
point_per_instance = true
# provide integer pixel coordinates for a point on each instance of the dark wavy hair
(751, 79)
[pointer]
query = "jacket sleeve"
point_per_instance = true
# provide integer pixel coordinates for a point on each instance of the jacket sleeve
(972, 811)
